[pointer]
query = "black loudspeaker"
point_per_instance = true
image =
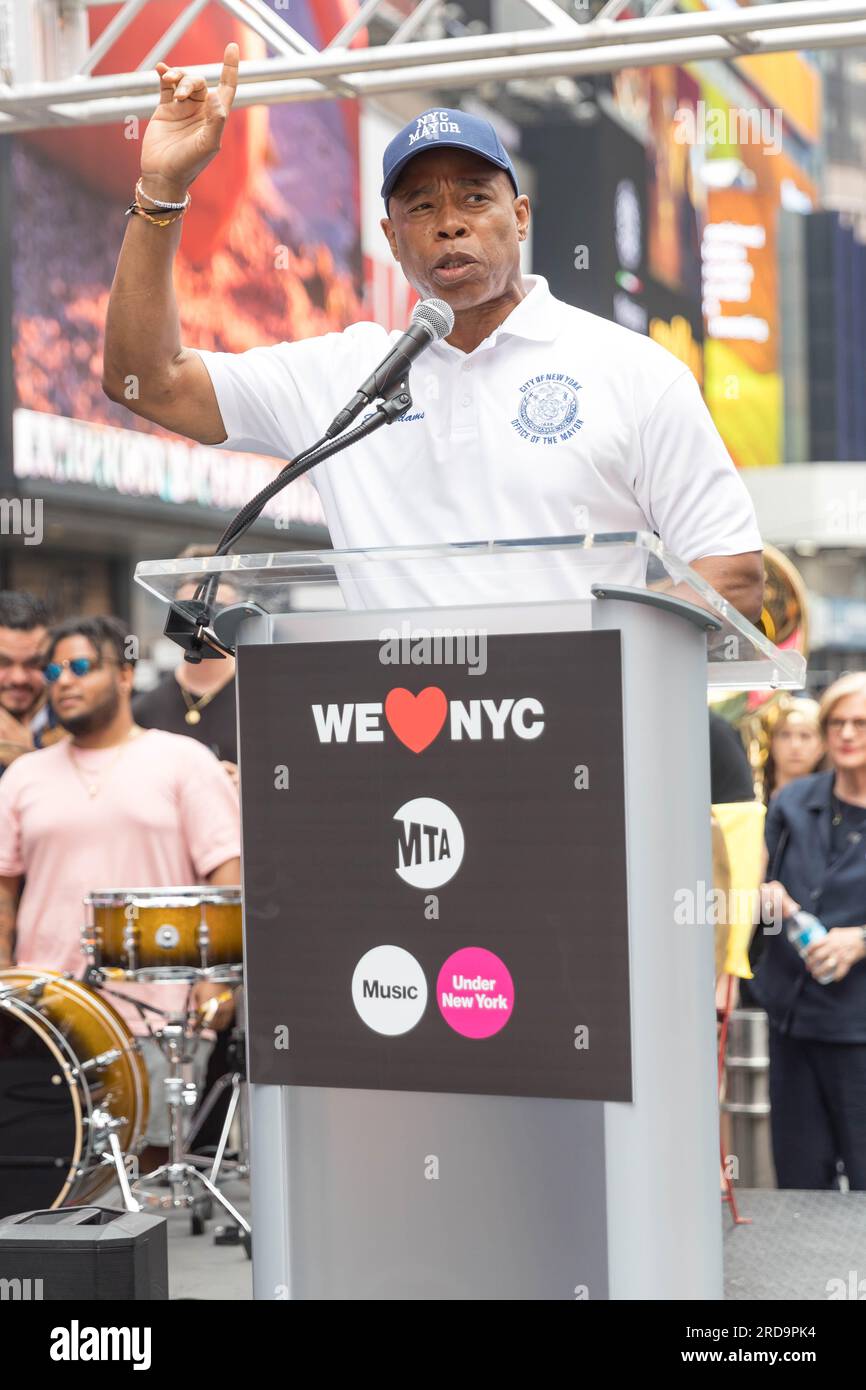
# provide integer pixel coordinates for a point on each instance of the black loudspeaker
(91, 1254)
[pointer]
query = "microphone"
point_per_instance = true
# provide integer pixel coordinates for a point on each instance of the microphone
(432, 319)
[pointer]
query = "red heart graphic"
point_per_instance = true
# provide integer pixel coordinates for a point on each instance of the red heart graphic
(416, 719)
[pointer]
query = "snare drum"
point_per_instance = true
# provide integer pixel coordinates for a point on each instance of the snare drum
(70, 1076)
(166, 933)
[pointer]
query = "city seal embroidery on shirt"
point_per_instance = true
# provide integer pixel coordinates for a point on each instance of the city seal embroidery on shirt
(548, 409)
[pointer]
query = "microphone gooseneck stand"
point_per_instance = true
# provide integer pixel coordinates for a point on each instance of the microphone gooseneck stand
(188, 624)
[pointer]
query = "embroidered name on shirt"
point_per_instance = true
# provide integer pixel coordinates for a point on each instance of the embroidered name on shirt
(401, 419)
(548, 409)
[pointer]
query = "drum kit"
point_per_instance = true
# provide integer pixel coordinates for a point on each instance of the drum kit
(74, 1094)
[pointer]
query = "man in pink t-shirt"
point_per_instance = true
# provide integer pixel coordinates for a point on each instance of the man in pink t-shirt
(112, 807)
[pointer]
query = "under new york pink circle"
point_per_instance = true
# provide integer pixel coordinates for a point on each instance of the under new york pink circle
(475, 992)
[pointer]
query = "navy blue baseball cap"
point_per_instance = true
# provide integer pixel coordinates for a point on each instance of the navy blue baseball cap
(440, 126)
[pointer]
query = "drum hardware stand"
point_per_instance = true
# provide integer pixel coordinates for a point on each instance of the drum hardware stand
(181, 1170)
(240, 1166)
(115, 1159)
(228, 1235)
(103, 978)
(174, 1038)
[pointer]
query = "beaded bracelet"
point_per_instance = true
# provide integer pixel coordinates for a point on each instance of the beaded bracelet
(140, 193)
(176, 210)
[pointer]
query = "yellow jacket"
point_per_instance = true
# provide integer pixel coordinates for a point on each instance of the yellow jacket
(738, 844)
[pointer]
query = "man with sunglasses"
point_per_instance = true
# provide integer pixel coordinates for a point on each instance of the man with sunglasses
(114, 806)
(23, 713)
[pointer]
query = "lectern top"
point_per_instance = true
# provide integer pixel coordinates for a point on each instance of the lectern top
(462, 583)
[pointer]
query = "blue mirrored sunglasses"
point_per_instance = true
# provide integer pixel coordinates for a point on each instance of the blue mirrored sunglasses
(79, 666)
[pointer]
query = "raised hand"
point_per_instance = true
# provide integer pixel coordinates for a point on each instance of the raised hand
(185, 131)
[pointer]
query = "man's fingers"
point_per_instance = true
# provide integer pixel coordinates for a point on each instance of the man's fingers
(177, 85)
(228, 83)
(168, 80)
(821, 946)
(194, 88)
(824, 956)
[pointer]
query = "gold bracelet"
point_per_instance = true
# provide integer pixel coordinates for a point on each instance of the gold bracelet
(150, 216)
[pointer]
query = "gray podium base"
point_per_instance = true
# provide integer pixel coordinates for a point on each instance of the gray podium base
(534, 1199)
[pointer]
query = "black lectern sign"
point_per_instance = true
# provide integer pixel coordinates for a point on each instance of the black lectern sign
(434, 865)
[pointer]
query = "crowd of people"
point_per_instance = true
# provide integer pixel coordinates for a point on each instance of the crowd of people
(815, 861)
(812, 987)
(102, 790)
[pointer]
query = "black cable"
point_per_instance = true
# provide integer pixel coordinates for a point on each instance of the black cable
(317, 453)
(395, 404)
(300, 464)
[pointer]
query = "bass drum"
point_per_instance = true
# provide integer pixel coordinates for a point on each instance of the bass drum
(70, 1075)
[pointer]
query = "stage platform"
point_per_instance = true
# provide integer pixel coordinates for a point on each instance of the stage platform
(797, 1244)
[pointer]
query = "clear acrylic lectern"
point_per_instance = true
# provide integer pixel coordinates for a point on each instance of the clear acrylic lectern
(474, 784)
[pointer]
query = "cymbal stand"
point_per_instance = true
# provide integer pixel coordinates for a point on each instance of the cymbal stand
(181, 1171)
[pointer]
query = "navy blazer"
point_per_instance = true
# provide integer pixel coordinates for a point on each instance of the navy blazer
(798, 844)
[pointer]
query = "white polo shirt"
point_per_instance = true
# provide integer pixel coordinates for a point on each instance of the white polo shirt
(559, 422)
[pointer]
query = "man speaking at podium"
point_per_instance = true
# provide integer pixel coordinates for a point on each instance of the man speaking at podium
(532, 418)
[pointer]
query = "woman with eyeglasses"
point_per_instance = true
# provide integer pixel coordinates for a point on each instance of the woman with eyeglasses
(811, 978)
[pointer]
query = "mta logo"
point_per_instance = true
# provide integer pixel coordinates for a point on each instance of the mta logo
(430, 843)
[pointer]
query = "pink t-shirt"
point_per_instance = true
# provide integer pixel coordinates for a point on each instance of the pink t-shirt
(166, 814)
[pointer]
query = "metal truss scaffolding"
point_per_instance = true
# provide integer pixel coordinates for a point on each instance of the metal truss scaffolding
(46, 60)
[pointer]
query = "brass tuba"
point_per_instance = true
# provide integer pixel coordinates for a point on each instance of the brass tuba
(785, 615)
(785, 620)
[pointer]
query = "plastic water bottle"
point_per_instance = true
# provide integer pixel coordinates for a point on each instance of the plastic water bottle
(802, 929)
